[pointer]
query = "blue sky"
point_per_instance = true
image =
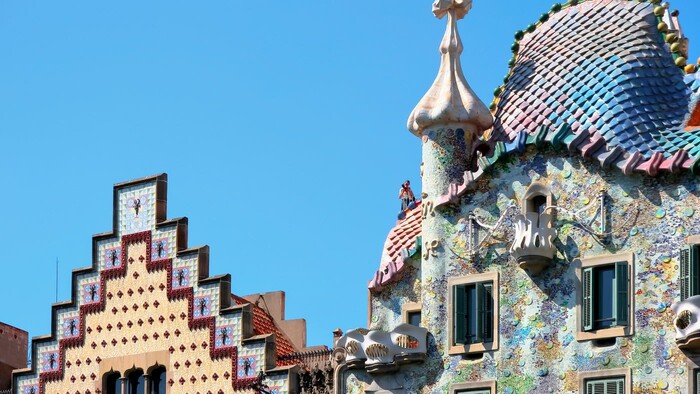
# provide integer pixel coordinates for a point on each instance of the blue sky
(281, 126)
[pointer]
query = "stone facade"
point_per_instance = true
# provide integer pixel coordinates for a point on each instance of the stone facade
(147, 316)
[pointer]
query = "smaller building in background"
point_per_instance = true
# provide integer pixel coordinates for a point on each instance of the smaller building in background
(13, 353)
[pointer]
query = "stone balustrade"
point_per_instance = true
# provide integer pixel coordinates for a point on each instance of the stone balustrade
(533, 246)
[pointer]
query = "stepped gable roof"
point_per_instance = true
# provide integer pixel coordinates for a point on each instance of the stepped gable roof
(601, 66)
(402, 242)
(264, 324)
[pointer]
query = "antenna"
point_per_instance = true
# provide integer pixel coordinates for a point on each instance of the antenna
(56, 279)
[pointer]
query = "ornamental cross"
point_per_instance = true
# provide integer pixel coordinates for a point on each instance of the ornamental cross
(460, 7)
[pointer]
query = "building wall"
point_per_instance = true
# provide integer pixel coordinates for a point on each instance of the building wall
(148, 300)
(538, 350)
(13, 352)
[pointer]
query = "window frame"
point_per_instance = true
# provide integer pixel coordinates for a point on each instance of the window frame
(689, 283)
(624, 373)
(478, 347)
(408, 308)
(693, 370)
(537, 189)
(611, 332)
(473, 387)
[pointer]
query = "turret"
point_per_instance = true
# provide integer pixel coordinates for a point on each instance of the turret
(450, 118)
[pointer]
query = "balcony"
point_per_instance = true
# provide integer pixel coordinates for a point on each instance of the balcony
(384, 352)
(687, 324)
(533, 246)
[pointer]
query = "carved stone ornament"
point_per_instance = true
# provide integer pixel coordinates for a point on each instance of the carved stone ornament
(533, 247)
(383, 352)
(687, 324)
(450, 100)
(431, 248)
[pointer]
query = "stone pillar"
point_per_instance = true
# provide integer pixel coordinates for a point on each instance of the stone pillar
(446, 157)
(146, 384)
(125, 383)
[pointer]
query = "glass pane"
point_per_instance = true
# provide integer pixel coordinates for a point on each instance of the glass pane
(158, 381)
(472, 310)
(112, 384)
(414, 318)
(539, 203)
(136, 382)
(488, 314)
(604, 298)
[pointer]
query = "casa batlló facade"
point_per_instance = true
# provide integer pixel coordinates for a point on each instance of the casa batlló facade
(556, 245)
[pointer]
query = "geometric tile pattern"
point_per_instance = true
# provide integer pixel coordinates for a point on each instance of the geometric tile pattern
(250, 360)
(143, 295)
(137, 209)
(600, 66)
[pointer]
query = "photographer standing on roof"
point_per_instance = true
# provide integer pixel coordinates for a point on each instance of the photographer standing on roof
(406, 195)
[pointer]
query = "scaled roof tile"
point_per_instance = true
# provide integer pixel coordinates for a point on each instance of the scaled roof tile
(608, 69)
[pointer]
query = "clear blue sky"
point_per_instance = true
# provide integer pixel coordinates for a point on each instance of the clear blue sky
(281, 126)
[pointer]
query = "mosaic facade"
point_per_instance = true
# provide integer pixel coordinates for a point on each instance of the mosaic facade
(582, 174)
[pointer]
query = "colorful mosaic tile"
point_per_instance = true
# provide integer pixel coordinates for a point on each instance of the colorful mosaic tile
(225, 336)
(111, 257)
(137, 209)
(91, 292)
(70, 326)
(50, 361)
(160, 248)
(202, 306)
(591, 66)
(181, 277)
(251, 359)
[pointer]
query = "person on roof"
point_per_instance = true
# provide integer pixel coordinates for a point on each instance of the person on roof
(406, 195)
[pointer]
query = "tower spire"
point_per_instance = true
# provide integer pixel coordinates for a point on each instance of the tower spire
(450, 100)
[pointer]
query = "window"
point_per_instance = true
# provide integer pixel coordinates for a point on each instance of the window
(111, 383)
(485, 387)
(473, 311)
(135, 382)
(609, 381)
(605, 297)
(690, 271)
(414, 318)
(605, 386)
(536, 199)
(411, 313)
(473, 301)
(157, 381)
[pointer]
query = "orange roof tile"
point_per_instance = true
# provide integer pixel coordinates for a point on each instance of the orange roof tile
(400, 245)
(263, 324)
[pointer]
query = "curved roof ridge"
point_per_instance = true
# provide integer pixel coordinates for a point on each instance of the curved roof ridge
(601, 65)
(401, 243)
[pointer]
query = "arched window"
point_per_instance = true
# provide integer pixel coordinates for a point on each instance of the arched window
(536, 199)
(135, 382)
(111, 384)
(158, 380)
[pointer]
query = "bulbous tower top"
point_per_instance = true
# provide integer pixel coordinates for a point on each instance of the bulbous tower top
(450, 100)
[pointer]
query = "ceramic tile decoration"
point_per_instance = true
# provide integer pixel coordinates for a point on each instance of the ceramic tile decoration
(586, 181)
(146, 303)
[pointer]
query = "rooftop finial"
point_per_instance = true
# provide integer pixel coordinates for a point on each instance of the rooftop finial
(450, 100)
